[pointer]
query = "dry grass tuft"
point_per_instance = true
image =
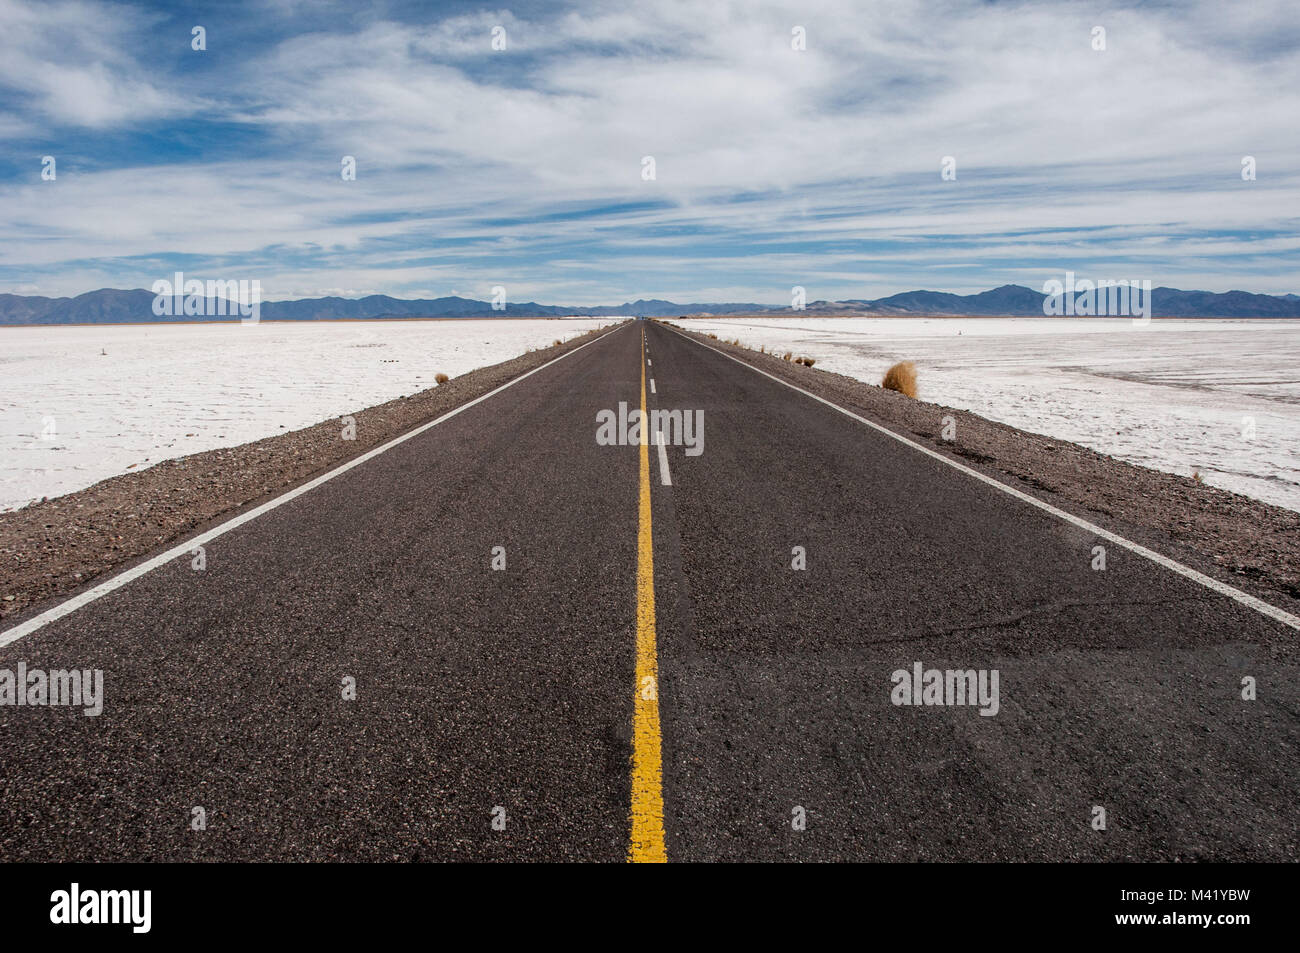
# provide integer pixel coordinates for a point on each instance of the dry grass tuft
(787, 356)
(902, 378)
(555, 343)
(441, 378)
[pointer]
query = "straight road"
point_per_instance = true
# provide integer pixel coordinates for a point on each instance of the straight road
(650, 676)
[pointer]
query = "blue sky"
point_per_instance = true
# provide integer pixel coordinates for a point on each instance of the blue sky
(774, 167)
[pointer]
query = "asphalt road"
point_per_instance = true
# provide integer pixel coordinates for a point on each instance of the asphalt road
(495, 708)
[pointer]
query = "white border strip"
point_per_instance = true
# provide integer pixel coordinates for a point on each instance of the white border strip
(9, 636)
(1246, 599)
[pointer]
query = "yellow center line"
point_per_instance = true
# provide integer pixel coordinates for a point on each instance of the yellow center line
(647, 843)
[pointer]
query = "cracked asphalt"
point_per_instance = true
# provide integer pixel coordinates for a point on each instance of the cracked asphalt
(484, 694)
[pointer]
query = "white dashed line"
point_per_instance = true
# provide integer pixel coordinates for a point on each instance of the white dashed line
(664, 476)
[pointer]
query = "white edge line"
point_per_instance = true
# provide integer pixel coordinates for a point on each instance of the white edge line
(9, 636)
(664, 476)
(1209, 582)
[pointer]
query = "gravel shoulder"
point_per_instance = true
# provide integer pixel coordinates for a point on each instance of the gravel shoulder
(1246, 543)
(58, 546)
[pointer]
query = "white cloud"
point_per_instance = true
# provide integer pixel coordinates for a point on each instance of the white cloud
(74, 62)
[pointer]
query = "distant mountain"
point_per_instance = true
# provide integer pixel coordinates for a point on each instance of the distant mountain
(24, 309)
(382, 306)
(105, 306)
(1008, 299)
(1172, 303)
(114, 306)
(1017, 301)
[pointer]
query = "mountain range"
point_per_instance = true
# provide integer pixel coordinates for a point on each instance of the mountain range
(114, 306)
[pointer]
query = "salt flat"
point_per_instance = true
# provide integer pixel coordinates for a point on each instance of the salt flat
(1172, 395)
(79, 404)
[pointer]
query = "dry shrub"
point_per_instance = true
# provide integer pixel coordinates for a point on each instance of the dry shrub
(787, 356)
(902, 378)
(441, 378)
(555, 343)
